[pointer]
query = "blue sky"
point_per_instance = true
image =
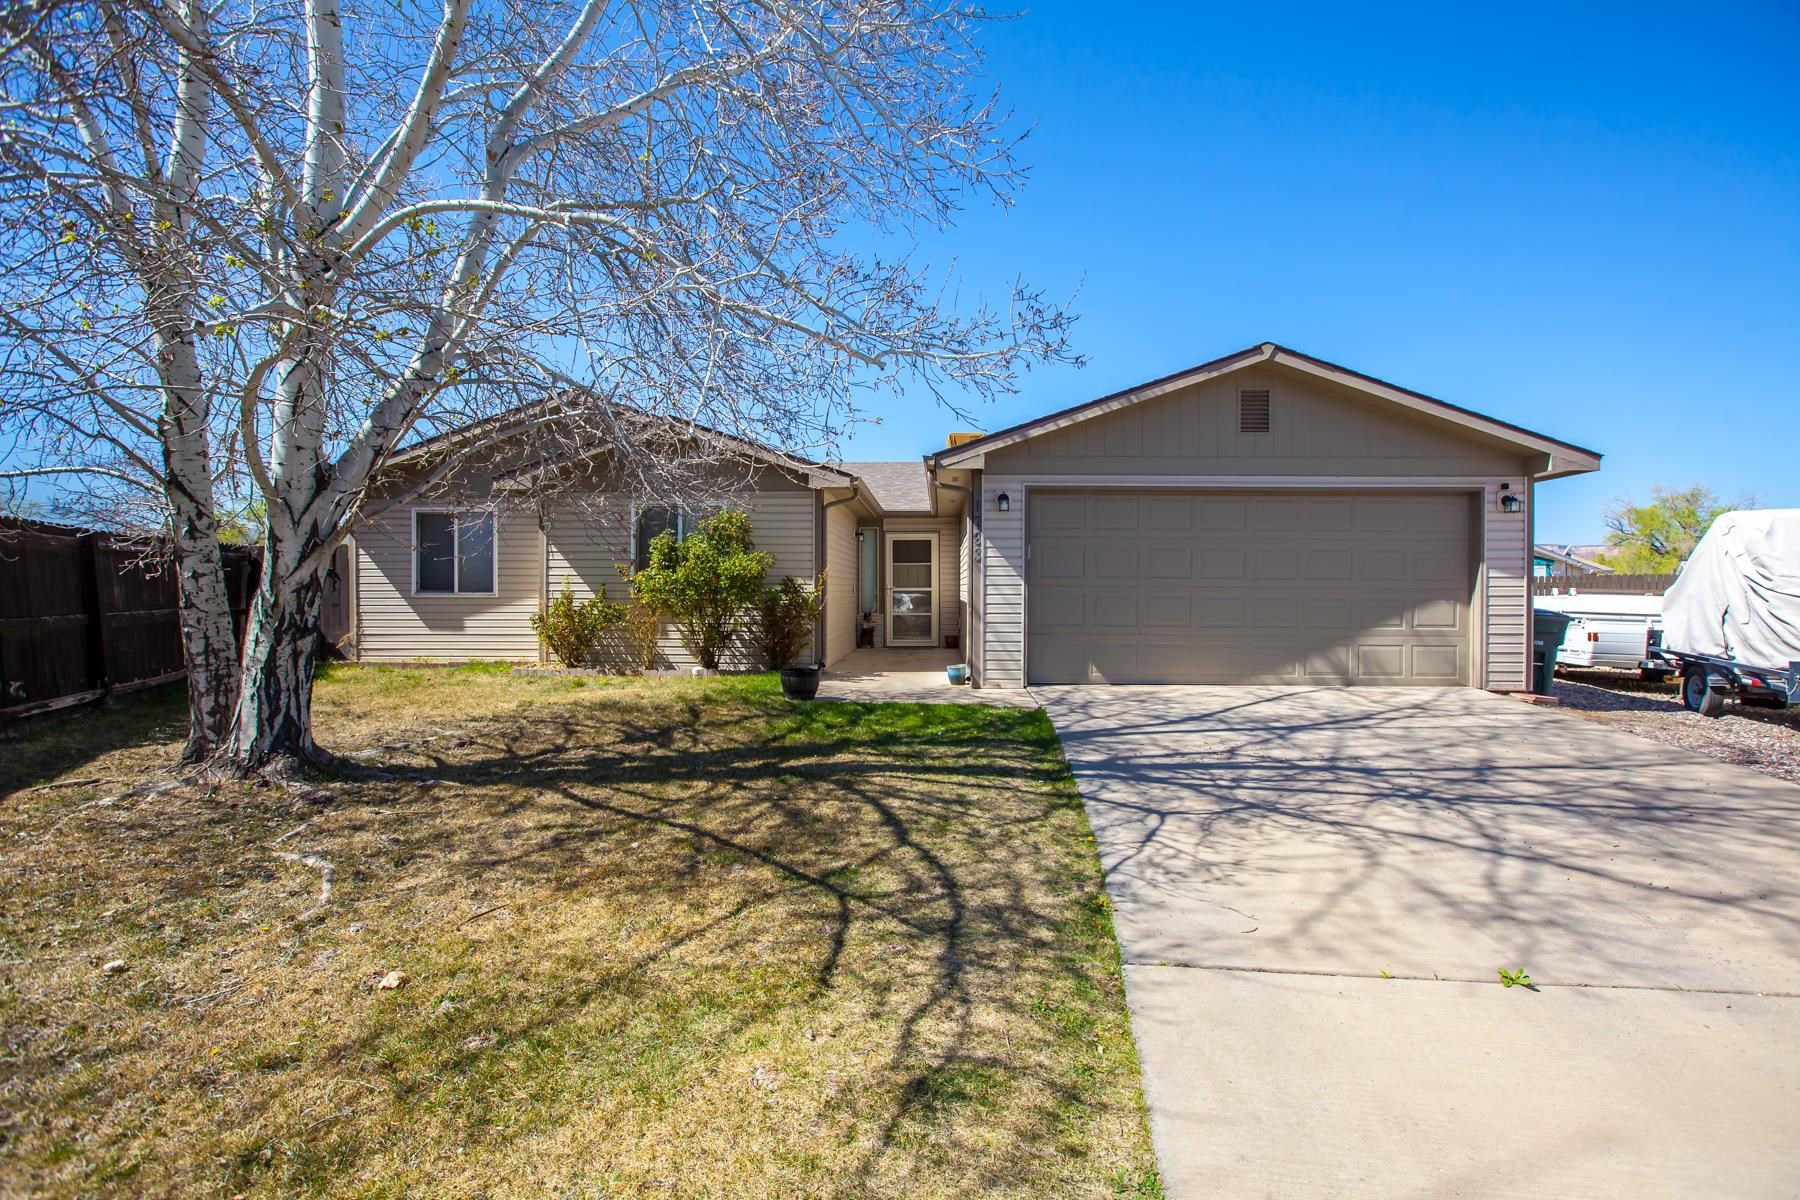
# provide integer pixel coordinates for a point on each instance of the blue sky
(1581, 219)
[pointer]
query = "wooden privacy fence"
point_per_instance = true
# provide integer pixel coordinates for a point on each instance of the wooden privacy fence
(1634, 585)
(84, 615)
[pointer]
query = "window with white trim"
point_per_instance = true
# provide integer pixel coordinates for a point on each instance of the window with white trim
(453, 553)
(653, 519)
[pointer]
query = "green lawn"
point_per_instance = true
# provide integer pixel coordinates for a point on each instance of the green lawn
(661, 938)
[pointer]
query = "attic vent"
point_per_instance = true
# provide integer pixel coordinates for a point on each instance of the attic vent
(1253, 410)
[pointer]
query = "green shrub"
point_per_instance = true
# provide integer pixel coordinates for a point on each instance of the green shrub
(705, 582)
(570, 627)
(642, 624)
(783, 620)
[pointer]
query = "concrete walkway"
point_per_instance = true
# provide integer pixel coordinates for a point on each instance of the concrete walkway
(915, 676)
(1271, 852)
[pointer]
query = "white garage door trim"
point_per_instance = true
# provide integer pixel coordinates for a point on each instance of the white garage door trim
(1486, 492)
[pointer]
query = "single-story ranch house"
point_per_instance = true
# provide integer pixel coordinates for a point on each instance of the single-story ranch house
(1265, 517)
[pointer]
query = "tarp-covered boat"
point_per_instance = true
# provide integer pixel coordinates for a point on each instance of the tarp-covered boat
(1738, 596)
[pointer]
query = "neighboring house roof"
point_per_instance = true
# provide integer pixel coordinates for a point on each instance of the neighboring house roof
(1568, 559)
(1564, 458)
(897, 487)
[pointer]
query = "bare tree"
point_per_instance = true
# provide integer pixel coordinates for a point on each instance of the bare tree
(330, 229)
(104, 153)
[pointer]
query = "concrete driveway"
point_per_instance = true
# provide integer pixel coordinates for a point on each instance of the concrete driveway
(1272, 851)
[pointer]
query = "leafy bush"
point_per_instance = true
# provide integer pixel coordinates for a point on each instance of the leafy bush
(784, 618)
(704, 582)
(570, 627)
(642, 624)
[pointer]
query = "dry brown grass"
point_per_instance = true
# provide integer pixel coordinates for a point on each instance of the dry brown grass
(663, 938)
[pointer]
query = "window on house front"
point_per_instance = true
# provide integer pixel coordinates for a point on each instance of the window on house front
(453, 553)
(655, 519)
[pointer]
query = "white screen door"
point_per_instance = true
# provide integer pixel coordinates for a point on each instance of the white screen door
(912, 589)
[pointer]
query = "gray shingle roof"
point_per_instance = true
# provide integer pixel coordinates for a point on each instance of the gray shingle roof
(897, 486)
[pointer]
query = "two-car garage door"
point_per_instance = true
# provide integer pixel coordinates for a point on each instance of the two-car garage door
(1217, 587)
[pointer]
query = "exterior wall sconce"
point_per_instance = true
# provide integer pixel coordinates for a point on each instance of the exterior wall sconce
(1509, 499)
(1003, 502)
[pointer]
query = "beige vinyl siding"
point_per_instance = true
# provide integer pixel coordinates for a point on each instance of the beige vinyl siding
(393, 625)
(840, 583)
(1507, 580)
(1317, 428)
(973, 542)
(583, 542)
(1503, 605)
(1002, 642)
(962, 570)
(587, 540)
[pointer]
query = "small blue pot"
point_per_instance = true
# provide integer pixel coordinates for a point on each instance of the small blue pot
(958, 673)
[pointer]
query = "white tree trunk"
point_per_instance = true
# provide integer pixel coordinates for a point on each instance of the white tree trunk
(381, 252)
(272, 728)
(209, 640)
(208, 637)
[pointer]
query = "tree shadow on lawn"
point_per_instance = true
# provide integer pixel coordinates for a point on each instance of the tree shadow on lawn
(66, 743)
(940, 861)
(675, 940)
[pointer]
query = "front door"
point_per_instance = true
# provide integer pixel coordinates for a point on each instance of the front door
(912, 589)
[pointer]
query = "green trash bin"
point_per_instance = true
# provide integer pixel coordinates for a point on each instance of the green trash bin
(1547, 629)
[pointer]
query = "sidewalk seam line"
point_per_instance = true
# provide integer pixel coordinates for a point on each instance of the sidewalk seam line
(1595, 987)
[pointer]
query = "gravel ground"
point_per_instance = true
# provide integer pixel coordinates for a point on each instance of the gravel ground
(1763, 739)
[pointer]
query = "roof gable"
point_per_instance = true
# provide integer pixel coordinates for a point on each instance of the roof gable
(1560, 458)
(897, 487)
(520, 422)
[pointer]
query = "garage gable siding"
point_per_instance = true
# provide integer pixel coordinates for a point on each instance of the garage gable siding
(1315, 428)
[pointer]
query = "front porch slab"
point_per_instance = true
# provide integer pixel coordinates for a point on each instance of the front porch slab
(909, 676)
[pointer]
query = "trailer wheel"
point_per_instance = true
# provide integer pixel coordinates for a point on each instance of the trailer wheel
(1698, 693)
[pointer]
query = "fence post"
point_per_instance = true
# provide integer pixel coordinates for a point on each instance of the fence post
(94, 642)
